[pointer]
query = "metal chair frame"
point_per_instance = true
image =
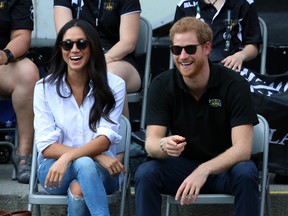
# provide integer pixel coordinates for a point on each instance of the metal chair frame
(143, 47)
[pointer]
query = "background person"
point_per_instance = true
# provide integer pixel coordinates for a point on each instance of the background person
(77, 110)
(118, 24)
(18, 75)
(209, 113)
(235, 26)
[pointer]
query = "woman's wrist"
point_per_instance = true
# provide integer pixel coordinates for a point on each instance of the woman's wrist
(70, 156)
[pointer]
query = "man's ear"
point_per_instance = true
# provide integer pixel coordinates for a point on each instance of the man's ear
(207, 47)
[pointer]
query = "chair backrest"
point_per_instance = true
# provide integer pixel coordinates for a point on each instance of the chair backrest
(145, 37)
(39, 198)
(264, 34)
(263, 50)
(260, 145)
(143, 47)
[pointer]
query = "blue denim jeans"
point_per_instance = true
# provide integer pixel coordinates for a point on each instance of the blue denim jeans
(95, 183)
(156, 177)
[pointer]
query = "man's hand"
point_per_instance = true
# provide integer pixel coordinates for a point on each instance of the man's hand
(191, 186)
(174, 145)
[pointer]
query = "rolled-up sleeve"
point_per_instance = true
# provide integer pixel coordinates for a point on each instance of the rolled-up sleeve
(110, 130)
(46, 132)
(44, 141)
(60, 120)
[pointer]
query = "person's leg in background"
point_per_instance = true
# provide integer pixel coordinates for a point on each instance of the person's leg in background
(18, 80)
(131, 77)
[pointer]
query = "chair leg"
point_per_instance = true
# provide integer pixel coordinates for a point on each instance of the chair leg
(175, 209)
(268, 202)
(122, 205)
(37, 210)
(171, 208)
(129, 197)
(14, 176)
(30, 207)
(168, 208)
(129, 201)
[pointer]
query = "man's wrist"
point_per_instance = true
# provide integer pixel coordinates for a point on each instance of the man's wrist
(9, 54)
(162, 144)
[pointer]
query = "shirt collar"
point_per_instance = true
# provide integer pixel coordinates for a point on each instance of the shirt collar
(66, 90)
(228, 3)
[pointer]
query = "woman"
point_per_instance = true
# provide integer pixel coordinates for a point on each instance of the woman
(118, 24)
(77, 113)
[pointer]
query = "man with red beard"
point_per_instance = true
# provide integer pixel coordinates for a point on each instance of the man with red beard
(200, 121)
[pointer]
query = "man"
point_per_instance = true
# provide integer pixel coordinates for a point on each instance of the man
(235, 26)
(208, 111)
(18, 74)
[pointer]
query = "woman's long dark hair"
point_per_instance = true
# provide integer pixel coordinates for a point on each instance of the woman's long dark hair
(97, 72)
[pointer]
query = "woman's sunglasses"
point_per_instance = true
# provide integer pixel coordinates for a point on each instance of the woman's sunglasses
(189, 49)
(68, 44)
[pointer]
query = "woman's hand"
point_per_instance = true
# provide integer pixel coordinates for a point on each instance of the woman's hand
(234, 62)
(57, 170)
(113, 165)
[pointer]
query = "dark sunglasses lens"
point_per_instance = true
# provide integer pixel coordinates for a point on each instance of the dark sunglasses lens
(67, 45)
(190, 49)
(82, 44)
(176, 50)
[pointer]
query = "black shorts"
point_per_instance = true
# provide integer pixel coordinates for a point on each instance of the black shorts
(136, 62)
(130, 58)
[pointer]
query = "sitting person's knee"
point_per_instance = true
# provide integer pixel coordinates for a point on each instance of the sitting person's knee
(31, 70)
(145, 170)
(76, 190)
(245, 170)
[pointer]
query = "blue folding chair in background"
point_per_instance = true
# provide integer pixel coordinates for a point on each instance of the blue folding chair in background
(8, 133)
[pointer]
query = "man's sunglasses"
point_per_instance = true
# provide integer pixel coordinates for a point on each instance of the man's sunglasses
(68, 44)
(189, 49)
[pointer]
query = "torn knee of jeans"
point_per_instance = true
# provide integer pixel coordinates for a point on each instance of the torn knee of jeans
(75, 197)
